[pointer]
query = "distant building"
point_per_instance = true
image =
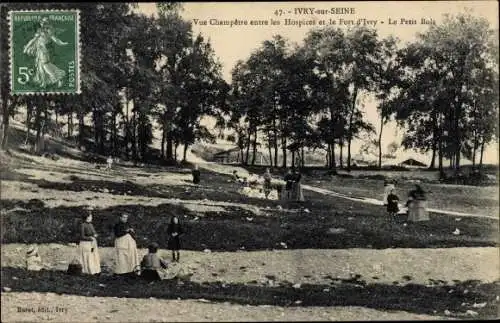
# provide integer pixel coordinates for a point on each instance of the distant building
(411, 162)
(234, 156)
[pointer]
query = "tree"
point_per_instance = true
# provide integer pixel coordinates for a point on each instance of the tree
(442, 84)
(327, 49)
(388, 78)
(203, 91)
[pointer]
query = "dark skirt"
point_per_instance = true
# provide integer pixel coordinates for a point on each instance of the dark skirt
(267, 185)
(174, 243)
(392, 208)
(150, 275)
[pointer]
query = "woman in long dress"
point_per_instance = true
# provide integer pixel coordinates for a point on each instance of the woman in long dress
(127, 258)
(46, 73)
(417, 205)
(89, 254)
(287, 193)
(298, 194)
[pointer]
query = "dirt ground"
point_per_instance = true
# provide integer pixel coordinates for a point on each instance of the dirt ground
(243, 258)
(106, 309)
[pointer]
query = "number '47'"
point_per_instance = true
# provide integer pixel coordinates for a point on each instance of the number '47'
(278, 12)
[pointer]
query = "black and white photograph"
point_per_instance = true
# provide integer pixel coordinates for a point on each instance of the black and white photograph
(249, 161)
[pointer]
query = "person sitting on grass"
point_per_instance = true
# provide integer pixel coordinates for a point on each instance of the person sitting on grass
(151, 264)
(174, 231)
(196, 175)
(33, 259)
(236, 177)
(392, 204)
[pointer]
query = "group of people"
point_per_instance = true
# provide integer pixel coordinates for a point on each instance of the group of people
(290, 191)
(416, 204)
(293, 187)
(126, 254)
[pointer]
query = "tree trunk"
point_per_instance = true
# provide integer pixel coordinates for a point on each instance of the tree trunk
(134, 137)
(283, 147)
(114, 134)
(143, 135)
(81, 128)
(433, 158)
(269, 143)
(327, 156)
(170, 147)
(275, 140)
(382, 121)
(70, 124)
(333, 165)
(254, 143)
(5, 121)
(341, 157)
(293, 158)
(176, 145)
(37, 126)
(474, 149)
(163, 135)
(434, 138)
(440, 152)
(350, 131)
(302, 156)
(249, 136)
(4, 124)
(57, 120)
(185, 152)
(127, 128)
(481, 154)
(29, 113)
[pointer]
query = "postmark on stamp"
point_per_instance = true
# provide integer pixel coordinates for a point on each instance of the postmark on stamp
(44, 52)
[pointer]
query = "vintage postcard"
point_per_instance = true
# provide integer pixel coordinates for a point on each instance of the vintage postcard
(242, 161)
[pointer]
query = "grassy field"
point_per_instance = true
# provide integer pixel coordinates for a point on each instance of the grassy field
(259, 250)
(483, 200)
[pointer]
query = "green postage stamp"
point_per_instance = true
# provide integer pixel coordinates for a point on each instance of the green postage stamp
(44, 52)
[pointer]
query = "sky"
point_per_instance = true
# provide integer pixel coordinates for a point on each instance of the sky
(237, 42)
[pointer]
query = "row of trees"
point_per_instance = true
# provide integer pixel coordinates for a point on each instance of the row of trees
(144, 73)
(137, 72)
(442, 89)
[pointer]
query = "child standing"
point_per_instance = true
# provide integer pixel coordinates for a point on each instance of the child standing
(388, 187)
(174, 243)
(392, 204)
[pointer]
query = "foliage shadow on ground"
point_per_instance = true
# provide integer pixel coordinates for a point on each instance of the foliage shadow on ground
(414, 298)
(237, 228)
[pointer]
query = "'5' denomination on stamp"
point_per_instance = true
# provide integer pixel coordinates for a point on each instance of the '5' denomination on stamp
(44, 52)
